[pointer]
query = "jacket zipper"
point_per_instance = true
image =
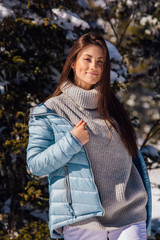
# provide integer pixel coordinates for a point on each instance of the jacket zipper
(85, 152)
(69, 197)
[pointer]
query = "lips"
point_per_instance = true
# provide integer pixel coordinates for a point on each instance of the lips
(93, 73)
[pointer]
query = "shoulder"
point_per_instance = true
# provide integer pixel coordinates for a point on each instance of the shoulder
(40, 110)
(41, 114)
(58, 103)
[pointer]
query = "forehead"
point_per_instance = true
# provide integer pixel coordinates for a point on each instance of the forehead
(92, 50)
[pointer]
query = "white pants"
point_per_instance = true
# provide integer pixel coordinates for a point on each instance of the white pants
(135, 231)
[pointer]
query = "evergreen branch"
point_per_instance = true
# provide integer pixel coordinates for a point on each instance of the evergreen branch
(115, 33)
(124, 32)
(149, 133)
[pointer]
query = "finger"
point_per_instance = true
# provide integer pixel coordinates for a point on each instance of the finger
(79, 123)
(84, 124)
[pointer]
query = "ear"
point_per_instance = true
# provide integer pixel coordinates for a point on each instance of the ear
(73, 66)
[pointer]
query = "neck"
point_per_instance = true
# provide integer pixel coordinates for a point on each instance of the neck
(83, 85)
(82, 97)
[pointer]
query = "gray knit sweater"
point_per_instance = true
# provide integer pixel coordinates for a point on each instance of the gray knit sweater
(121, 189)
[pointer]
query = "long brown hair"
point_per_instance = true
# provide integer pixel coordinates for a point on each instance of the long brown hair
(109, 106)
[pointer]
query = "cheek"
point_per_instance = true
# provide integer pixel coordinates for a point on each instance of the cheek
(101, 70)
(81, 68)
(79, 71)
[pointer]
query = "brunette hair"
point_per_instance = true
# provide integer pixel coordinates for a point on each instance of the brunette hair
(109, 107)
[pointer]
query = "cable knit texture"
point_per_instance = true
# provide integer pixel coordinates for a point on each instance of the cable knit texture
(120, 186)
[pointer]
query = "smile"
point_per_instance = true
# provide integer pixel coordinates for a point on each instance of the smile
(93, 73)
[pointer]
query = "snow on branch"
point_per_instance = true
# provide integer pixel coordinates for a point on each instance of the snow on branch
(150, 152)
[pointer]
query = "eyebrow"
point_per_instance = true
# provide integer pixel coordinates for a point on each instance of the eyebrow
(91, 56)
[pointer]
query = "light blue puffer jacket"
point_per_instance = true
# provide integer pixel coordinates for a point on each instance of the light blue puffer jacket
(55, 151)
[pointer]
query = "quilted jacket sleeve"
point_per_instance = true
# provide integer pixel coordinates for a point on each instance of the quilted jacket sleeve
(43, 154)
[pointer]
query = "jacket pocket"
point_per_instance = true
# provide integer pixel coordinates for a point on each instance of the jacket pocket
(68, 188)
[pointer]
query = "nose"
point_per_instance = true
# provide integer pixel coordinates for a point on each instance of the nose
(93, 64)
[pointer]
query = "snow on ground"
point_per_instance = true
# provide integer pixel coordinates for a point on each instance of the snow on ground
(154, 175)
(68, 20)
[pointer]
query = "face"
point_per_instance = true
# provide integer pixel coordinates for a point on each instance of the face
(88, 66)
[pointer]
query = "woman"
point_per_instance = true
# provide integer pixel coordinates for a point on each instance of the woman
(82, 137)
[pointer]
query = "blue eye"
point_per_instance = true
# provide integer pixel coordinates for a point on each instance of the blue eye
(87, 59)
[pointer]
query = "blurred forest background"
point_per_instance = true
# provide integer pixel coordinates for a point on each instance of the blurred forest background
(35, 37)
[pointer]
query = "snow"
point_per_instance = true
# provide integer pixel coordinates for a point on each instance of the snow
(129, 3)
(65, 19)
(118, 70)
(148, 19)
(147, 31)
(3, 85)
(154, 175)
(157, 4)
(114, 76)
(100, 3)
(2, 49)
(115, 66)
(121, 79)
(131, 102)
(40, 214)
(2, 90)
(150, 152)
(124, 70)
(83, 3)
(55, 73)
(20, 77)
(68, 20)
(6, 8)
(4, 11)
(113, 52)
(70, 35)
(9, 3)
(101, 22)
(2, 129)
(6, 206)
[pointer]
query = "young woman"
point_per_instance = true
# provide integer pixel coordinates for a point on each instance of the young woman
(82, 137)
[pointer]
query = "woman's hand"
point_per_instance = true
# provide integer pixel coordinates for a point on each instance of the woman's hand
(81, 132)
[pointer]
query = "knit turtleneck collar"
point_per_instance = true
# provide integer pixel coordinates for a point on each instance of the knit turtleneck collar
(85, 98)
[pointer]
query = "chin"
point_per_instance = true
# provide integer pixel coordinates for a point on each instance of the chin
(93, 82)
